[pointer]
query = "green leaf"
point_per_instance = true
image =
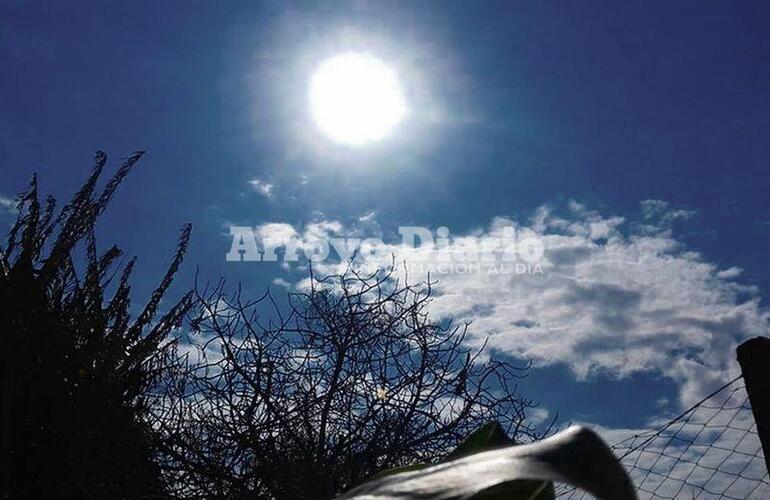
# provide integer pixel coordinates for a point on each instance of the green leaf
(519, 490)
(398, 470)
(487, 437)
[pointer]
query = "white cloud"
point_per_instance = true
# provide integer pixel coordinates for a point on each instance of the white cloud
(263, 188)
(282, 283)
(8, 204)
(616, 296)
(733, 272)
(275, 233)
(661, 210)
(538, 416)
(368, 217)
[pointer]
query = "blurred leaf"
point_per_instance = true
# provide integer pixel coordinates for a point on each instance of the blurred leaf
(577, 456)
(491, 436)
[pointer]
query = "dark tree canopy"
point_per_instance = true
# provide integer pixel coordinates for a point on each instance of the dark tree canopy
(75, 367)
(311, 399)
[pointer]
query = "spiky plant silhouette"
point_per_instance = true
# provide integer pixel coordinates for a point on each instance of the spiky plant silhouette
(76, 368)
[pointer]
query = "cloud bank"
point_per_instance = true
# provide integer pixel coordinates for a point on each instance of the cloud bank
(616, 296)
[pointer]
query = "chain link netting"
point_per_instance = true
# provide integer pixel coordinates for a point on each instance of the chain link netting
(711, 451)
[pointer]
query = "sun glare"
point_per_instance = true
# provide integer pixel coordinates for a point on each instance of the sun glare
(356, 99)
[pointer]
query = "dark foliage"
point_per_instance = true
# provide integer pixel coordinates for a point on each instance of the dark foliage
(351, 378)
(76, 369)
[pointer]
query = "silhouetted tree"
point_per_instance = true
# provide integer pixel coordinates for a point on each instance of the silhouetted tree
(76, 370)
(309, 399)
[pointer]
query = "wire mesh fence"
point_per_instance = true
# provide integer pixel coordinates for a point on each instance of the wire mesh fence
(712, 450)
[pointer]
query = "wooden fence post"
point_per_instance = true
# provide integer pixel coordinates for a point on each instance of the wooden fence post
(754, 358)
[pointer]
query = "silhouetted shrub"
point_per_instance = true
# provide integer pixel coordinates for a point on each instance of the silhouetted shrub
(75, 367)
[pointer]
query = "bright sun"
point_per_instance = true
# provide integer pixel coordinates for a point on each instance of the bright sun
(356, 99)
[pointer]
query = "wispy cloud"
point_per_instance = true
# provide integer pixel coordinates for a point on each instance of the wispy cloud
(263, 188)
(8, 204)
(282, 283)
(617, 297)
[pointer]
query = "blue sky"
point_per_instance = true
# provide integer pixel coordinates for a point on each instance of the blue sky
(566, 118)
